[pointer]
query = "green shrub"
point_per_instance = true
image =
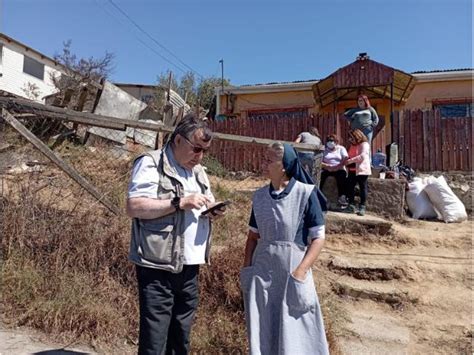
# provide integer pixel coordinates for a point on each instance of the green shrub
(214, 166)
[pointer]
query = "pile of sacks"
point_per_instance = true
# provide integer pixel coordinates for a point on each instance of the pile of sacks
(431, 197)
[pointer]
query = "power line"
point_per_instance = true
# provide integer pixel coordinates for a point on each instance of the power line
(143, 42)
(152, 38)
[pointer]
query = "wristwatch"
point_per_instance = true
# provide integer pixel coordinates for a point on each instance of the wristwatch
(175, 202)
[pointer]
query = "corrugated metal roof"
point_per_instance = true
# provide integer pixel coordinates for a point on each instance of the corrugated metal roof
(279, 83)
(440, 70)
(312, 80)
(177, 101)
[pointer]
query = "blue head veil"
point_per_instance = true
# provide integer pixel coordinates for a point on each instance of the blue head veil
(293, 169)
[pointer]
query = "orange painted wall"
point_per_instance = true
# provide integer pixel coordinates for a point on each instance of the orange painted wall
(269, 101)
(421, 98)
(425, 92)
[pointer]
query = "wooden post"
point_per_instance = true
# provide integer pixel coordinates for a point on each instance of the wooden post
(168, 95)
(71, 172)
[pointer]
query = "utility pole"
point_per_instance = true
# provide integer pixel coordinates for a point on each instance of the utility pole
(222, 74)
(222, 85)
(168, 96)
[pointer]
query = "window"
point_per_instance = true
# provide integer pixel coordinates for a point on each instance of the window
(1, 53)
(33, 67)
(279, 113)
(452, 110)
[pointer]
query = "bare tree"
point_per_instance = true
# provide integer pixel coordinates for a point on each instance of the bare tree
(80, 74)
(31, 90)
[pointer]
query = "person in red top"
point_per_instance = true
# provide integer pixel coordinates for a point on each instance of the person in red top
(358, 166)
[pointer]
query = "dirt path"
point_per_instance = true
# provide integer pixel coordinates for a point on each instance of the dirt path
(407, 292)
(22, 342)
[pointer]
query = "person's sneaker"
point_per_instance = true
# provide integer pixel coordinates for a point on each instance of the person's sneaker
(343, 201)
(361, 211)
(349, 209)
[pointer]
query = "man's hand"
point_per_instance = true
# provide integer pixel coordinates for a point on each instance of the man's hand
(194, 201)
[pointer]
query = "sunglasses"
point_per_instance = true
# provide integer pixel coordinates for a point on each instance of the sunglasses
(195, 148)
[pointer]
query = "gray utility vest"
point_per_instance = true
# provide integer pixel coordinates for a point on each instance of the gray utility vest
(159, 243)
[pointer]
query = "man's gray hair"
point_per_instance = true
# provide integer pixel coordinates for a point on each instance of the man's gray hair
(278, 148)
(190, 124)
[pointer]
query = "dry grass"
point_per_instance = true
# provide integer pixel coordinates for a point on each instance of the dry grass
(66, 274)
(65, 269)
(220, 323)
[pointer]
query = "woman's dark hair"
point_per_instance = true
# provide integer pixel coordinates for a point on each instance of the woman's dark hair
(358, 136)
(332, 137)
(190, 124)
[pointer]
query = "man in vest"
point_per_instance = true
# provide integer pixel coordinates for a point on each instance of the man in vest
(168, 191)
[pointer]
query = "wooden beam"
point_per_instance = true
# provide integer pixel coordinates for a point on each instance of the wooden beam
(71, 172)
(406, 88)
(264, 141)
(30, 106)
(82, 120)
(120, 123)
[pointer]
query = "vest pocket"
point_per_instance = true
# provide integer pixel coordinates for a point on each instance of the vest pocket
(156, 242)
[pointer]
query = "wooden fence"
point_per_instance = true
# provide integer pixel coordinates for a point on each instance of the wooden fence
(239, 156)
(426, 141)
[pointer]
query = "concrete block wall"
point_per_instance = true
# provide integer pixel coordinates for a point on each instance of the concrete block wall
(386, 197)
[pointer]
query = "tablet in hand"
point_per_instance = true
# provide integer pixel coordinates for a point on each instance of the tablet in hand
(216, 207)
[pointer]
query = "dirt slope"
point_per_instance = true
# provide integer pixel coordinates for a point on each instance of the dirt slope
(406, 292)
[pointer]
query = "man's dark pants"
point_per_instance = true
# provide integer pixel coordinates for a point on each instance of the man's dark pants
(167, 305)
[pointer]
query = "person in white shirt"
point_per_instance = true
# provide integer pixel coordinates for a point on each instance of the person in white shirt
(168, 191)
(334, 157)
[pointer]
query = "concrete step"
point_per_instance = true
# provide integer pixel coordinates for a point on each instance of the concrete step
(349, 223)
(375, 291)
(365, 269)
(375, 333)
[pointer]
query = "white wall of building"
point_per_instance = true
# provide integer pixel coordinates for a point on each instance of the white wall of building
(15, 81)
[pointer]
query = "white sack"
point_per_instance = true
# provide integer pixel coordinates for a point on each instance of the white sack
(418, 201)
(445, 202)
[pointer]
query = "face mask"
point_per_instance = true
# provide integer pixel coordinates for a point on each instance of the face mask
(330, 144)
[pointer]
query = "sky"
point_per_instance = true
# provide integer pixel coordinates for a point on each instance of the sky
(260, 41)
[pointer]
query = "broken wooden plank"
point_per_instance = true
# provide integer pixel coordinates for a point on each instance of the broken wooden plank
(25, 105)
(119, 123)
(70, 171)
(119, 126)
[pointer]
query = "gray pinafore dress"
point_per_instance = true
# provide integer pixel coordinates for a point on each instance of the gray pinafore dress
(282, 313)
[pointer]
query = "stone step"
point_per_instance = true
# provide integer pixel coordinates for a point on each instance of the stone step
(366, 269)
(342, 223)
(375, 291)
(375, 333)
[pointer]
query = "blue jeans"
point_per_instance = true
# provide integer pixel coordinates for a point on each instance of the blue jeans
(369, 132)
(306, 160)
